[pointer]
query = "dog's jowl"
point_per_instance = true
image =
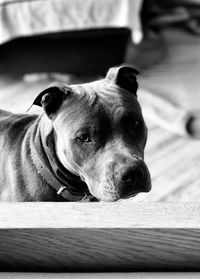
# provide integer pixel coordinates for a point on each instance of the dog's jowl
(88, 144)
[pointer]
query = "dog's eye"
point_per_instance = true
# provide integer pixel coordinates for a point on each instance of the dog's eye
(85, 138)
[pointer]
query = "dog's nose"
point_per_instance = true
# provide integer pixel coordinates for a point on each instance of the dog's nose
(131, 174)
(133, 179)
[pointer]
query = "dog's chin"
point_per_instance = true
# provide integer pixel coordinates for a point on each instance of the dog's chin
(104, 195)
(129, 196)
(109, 199)
(113, 198)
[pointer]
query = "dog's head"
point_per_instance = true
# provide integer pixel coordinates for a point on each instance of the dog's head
(101, 133)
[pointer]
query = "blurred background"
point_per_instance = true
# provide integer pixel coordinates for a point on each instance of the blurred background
(76, 41)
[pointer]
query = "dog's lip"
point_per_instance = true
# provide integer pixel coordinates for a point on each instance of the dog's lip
(94, 199)
(129, 196)
(120, 198)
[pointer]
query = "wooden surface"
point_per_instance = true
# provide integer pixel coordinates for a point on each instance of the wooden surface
(174, 164)
(102, 275)
(122, 214)
(174, 161)
(99, 237)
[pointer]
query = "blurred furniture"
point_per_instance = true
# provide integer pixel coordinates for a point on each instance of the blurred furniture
(71, 36)
(86, 52)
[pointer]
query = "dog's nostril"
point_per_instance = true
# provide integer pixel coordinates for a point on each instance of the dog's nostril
(133, 179)
(127, 177)
(133, 174)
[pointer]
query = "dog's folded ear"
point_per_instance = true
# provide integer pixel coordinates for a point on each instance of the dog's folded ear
(124, 77)
(51, 99)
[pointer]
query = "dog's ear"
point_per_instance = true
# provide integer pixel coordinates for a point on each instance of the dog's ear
(51, 99)
(124, 77)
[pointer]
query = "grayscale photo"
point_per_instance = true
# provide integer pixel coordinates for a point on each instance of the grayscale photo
(99, 138)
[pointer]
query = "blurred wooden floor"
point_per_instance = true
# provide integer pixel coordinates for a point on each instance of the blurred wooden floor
(174, 162)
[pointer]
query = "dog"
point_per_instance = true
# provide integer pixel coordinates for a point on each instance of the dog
(87, 145)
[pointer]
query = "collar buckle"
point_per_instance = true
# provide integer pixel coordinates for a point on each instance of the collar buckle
(61, 190)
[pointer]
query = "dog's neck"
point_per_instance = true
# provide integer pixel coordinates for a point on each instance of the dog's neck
(68, 185)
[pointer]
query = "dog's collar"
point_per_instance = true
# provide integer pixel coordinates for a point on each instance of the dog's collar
(66, 184)
(51, 180)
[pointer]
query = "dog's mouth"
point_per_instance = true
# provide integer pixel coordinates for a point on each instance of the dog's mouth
(94, 199)
(110, 191)
(90, 198)
(112, 198)
(115, 195)
(129, 196)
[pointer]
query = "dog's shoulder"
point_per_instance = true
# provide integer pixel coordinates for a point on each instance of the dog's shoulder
(14, 126)
(4, 114)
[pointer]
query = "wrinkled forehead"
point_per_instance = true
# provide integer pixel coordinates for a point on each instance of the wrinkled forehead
(96, 102)
(108, 96)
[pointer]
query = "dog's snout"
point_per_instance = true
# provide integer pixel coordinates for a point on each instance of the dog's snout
(133, 179)
(130, 174)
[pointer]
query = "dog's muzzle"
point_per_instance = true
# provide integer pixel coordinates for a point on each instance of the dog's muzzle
(131, 178)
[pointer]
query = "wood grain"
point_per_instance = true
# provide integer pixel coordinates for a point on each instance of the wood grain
(65, 237)
(102, 275)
